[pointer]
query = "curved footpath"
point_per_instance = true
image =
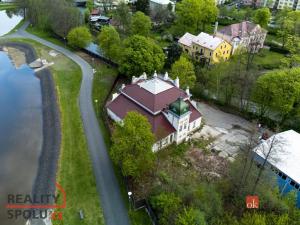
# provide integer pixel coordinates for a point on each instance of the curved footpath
(115, 212)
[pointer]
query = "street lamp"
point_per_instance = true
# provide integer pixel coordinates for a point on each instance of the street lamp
(129, 196)
(96, 101)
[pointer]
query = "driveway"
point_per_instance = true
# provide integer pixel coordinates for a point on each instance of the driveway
(115, 212)
(229, 131)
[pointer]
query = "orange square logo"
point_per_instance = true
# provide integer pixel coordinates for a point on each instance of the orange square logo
(252, 202)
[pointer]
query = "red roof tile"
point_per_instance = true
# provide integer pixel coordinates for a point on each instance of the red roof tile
(151, 101)
(160, 125)
(195, 113)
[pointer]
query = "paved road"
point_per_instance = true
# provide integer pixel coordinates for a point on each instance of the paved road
(115, 212)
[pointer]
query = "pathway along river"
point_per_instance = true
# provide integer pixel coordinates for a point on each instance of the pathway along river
(21, 126)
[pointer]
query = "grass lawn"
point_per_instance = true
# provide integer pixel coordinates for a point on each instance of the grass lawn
(268, 60)
(47, 36)
(104, 79)
(74, 172)
(4, 6)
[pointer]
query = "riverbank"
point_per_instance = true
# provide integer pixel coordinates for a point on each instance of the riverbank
(74, 172)
(48, 159)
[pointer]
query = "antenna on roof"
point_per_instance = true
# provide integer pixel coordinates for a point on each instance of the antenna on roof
(155, 74)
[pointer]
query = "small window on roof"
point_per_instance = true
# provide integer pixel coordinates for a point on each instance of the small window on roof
(292, 183)
(284, 177)
(297, 186)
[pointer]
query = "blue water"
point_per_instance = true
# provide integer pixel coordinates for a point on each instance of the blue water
(8, 21)
(20, 131)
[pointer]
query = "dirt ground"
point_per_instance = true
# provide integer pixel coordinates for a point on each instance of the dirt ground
(18, 57)
(229, 131)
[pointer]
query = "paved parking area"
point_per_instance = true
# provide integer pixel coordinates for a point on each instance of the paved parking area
(228, 130)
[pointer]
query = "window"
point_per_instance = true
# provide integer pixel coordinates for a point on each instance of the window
(224, 53)
(194, 124)
(227, 51)
(292, 183)
(210, 54)
(171, 138)
(284, 177)
(180, 128)
(216, 54)
(221, 46)
(185, 126)
(297, 186)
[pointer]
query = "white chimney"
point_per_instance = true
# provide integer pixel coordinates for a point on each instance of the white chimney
(187, 91)
(216, 27)
(155, 74)
(144, 76)
(123, 86)
(177, 82)
(166, 77)
(133, 79)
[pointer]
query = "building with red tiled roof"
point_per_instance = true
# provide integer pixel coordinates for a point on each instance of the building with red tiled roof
(170, 111)
(245, 34)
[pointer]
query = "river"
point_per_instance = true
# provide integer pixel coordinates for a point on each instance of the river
(20, 132)
(8, 20)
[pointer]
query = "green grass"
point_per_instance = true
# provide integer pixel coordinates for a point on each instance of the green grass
(75, 171)
(4, 6)
(47, 35)
(104, 79)
(266, 59)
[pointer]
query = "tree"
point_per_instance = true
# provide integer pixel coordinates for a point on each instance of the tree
(278, 90)
(79, 37)
(140, 55)
(262, 16)
(174, 52)
(132, 143)
(141, 24)
(184, 70)
(191, 216)
(123, 17)
(293, 46)
(192, 15)
(167, 206)
(110, 43)
(253, 219)
(142, 6)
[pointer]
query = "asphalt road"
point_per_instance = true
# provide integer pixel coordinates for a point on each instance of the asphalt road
(115, 212)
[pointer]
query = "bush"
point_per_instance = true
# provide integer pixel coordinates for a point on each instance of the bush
(79, 37)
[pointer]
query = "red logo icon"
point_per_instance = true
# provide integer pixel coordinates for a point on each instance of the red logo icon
(252, 202)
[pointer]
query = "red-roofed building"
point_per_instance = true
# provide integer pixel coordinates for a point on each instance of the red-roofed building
(169, 109)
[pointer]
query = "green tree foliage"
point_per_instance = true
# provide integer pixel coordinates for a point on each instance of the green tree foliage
(184, 70)
(253, 219)
(141, 24)
(167, 205)
(278, 90)
(79, 37)
(56, 15)
(110, 43)
(288, 24)
(132, 144)
(262, 16)
(192, 15)
(140, 55)
(87, 15)
(174, 52)
(142, 6)
(191, 216)
(122, 15)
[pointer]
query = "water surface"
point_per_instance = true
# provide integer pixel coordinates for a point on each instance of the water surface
(8, 20)
(20, 131)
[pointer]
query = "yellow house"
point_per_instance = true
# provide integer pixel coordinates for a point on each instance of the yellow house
(205, 48)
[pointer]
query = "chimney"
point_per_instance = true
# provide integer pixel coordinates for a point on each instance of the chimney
(187, 91)
(216, 27)
(133, 79)
(176, 82)
(123, 86)
(144, 76)
(155, 74)
(166, 77)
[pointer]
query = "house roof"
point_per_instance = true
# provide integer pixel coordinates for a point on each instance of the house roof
(285, 153)
(203, 39)
(187, 39)
(160, 125)
(195, 114)
(179, 107)
(240, 29)
(153, 102)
